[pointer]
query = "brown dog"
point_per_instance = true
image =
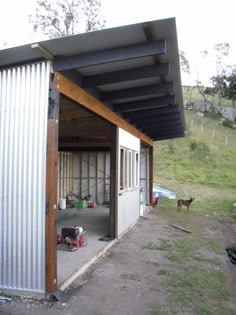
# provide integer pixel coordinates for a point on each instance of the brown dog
(182, 202)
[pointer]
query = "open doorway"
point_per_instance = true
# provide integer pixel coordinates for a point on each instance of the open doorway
(83, 187)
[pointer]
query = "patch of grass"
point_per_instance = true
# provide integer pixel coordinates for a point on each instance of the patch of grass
(218, 206)
(165, 246)
(164, 272)
(181, 251)
(160, 311)
(198, 287)
(215, 246)
(201, 258)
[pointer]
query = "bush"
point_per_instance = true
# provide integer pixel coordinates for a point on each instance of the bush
(199, 150)
(228, 123)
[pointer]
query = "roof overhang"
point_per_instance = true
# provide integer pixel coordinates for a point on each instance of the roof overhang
(133, 70)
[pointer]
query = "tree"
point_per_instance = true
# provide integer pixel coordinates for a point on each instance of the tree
(184, 62)
(185, 68)
(218, 81)
(230, 82)
(57, 18)
(199, 84)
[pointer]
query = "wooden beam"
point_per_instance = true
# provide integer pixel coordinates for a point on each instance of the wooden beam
(77, 94)
(110, 55)
(154, 89)
(125, 75)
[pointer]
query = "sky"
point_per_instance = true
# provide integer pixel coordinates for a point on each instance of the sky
(201, 24)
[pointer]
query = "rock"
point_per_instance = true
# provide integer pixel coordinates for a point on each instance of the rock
(229, 113)
(204, 107)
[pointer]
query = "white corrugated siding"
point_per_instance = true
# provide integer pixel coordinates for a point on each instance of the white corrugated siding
(23, 137)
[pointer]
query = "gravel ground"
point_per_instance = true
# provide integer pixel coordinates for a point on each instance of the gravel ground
(131, 278)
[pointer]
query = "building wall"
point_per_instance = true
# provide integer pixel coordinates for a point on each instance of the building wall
(23, 140)
(145, 171)
(128, 199)
(65, 174)
(85, 173)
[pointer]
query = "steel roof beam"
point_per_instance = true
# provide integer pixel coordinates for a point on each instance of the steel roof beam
(61, 63)
(166, 133)
(152, 112)
(168, 137)
(154, 89)
(150, 128)
(125, 75)
(153, 119)
(163, 132)
(165, 123)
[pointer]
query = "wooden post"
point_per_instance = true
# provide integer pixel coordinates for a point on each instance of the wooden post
(51, 189)
(151, 174)
(114, 182)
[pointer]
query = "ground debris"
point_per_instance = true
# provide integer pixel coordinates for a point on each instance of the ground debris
(231, 251)
(181, 228)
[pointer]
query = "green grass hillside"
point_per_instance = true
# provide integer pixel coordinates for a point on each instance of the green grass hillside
(191, 94)
(199, 164)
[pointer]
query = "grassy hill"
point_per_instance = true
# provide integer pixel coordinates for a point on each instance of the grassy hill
(191, 94)
(199, 165)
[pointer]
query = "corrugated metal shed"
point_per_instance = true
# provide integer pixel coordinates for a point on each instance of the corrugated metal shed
(133, 69)
(23, 139)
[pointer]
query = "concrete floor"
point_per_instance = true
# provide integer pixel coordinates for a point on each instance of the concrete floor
(96, 222)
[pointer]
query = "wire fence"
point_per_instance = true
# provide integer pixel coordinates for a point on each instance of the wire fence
(223, 138)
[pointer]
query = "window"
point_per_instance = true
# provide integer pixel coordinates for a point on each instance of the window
(129, 169)
(136, 169)
(121, 169)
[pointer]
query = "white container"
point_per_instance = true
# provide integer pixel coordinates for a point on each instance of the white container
(141, 210)
(62, 204)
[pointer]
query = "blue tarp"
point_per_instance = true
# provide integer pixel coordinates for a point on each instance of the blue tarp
(163, 192)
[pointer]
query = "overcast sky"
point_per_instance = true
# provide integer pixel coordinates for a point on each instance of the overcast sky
(200, 24)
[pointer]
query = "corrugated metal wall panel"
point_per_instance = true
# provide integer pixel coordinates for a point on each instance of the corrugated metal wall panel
(92, 175)
(23, 138)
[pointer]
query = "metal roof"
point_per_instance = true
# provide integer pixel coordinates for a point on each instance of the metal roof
(133, 69)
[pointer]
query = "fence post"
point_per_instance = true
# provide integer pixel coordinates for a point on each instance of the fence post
(201, 127)
(226, 140)
(213, 133)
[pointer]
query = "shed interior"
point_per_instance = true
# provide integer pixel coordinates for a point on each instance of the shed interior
(83, 174)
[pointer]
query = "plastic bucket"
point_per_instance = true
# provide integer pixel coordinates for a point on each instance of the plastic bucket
(62, 204)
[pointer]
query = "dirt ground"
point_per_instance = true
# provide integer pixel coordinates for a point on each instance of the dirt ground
(154, 269)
